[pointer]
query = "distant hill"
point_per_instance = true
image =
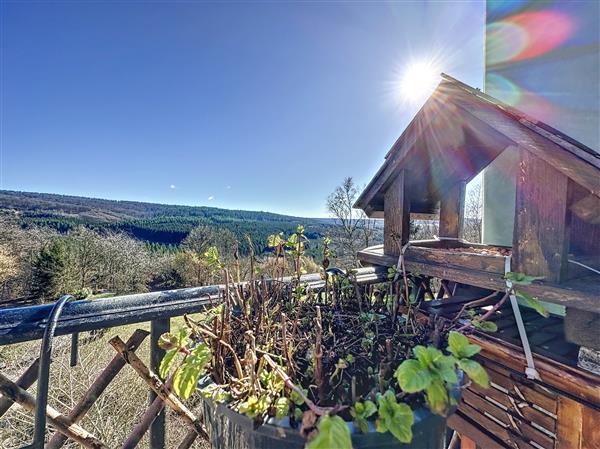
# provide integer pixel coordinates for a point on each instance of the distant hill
(158, 223)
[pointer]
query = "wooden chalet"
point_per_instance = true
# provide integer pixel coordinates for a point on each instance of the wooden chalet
(456, 134)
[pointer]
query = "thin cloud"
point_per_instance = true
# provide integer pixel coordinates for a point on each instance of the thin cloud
(228, 187)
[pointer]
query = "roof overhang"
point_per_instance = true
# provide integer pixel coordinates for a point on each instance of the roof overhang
(456, 134)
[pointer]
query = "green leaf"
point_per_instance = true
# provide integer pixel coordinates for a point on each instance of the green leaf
(533, 303)
(394, 417)
(212, 258)
(166, 362)
(437, 397)
(282, 407)
(274, 240)
(412, 376)
(460, 347)
(427, 355)
(168, 341)
(487, 326)
(360, 412)
(521, 278)
(296, 398)
(475, 371)
(186, 377)
(333, 434)
(445, 367)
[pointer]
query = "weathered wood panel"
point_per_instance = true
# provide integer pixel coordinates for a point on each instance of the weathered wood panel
(581, 293)
(451, 211)
(540, 245)
(456, 259)
(396, 223)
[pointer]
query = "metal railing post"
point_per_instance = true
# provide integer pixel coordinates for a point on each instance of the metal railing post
(157, 429)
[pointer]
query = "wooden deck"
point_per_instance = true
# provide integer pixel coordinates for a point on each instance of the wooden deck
(485, 271)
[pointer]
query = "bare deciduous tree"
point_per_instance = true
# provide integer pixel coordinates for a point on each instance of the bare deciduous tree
(354, 229)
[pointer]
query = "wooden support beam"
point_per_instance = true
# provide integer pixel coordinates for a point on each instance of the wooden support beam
(451, 211)
(540, 245)
(158, 386)
(25, 381)
(144, 424)
(98, 387)
(396, 222)
(62, 423)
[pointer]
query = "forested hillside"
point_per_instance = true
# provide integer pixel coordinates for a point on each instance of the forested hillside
(158, 224)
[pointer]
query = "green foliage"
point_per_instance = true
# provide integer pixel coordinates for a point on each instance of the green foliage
(333, 433)
(435, 374)
(360, 412)
(396, 418)
(212, 258)
(48, 269)
(521, 278)
(186, 377)
(460, 347)
(487, 326)
(533, 302)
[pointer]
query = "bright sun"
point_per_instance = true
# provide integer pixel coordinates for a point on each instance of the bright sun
(419, 81)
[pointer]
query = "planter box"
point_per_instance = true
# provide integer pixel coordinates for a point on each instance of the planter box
(231, 430)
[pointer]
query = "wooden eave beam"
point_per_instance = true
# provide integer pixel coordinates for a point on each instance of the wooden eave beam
(582, 171)
(580, 294)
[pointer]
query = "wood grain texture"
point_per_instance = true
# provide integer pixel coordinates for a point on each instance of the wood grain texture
(451, 211)
(581, 293)
(540, 245)
(570, 424)
(396, 222)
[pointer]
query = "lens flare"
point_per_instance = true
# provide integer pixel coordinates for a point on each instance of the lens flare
(527, 35)
(419, 81)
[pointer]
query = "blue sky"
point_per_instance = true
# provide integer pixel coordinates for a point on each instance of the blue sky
(260, 106)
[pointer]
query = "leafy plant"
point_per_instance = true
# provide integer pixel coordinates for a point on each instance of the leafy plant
(435, 373)
(396, 418)
(333, 433)
(523, 279)
(185, 378)
(360, 412)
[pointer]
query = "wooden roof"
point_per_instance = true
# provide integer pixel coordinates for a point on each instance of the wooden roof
(457, 133)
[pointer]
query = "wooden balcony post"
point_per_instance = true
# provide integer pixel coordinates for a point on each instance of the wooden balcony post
(396, 216)
(541, 238)
(451, 211)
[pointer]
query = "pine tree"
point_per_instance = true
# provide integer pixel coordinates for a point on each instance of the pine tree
(48, 270)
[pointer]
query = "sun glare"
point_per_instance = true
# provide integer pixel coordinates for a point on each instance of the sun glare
(419, 81)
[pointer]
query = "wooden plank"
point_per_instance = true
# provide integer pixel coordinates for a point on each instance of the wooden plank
(517, 406)
(510, 439)
(562, 378)
(396, 222)
(467, 443)
(583, 172)
(590, 435)
(458, 259)
(569, 424)
(451, 211)
(471, 430)
(583, 294)
(540, 245)
(514, 424)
